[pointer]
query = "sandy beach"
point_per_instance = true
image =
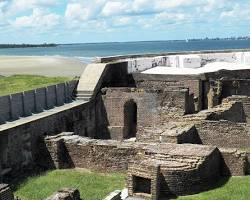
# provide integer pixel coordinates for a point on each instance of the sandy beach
(41, 65)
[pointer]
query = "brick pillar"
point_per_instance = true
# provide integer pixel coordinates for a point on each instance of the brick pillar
(145, 170)
(214, 93)
(55, 149)
(155, 182)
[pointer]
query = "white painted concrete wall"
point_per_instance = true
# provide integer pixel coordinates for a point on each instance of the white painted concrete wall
(187, 61)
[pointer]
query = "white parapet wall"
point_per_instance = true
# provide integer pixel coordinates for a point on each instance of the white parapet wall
(245, 57)
(189, 61)
(135, 65)
(192, 61)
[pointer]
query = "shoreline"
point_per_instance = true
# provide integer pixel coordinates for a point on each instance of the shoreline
(41, 65)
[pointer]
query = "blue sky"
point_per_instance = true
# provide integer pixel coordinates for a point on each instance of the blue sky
(68, 21)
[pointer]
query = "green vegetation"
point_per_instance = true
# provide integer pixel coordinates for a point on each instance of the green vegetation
(19, 83)
(247, 149)
(235, 188)
(92, 185)
(95, 186)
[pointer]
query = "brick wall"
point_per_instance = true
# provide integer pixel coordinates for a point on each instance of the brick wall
(235, 87)
(21, 146)
(154, 107)
(235, 162)
(245, 100)
(104, 157)
(231, 111)
(224, 134)
(194, 85)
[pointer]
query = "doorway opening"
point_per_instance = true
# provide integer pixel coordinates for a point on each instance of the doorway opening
(142, 185)
(130, 119)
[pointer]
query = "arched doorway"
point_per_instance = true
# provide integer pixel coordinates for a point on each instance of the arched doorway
(130, 119)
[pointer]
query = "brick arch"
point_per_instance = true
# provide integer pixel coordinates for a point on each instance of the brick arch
(130, 119)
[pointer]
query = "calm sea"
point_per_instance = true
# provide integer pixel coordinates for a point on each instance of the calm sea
(86, 52)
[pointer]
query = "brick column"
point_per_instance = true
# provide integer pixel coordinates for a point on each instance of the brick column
(55, 149)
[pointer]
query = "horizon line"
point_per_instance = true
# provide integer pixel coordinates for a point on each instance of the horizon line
(138, 41)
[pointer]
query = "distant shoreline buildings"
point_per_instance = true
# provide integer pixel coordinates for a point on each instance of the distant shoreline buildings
(6, 46)
(217, 38)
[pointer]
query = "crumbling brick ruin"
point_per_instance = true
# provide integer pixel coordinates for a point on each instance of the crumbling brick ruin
(171, 134)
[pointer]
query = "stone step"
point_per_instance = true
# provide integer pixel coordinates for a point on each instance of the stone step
(84, 92)
(83, 98)
(84, 95)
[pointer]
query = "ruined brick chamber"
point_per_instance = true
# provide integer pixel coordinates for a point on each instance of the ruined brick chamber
(172, 134)
(169, 169)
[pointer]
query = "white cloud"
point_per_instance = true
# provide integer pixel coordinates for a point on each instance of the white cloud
(212, 5)
(81, 11)
(163, 4)
(96, 15)
(77, 12)
(38, 19)
(122, 21)
(112, 8)
(142, 5)
(22, 5)
(239, 13)
(3, 16)
(167, 16)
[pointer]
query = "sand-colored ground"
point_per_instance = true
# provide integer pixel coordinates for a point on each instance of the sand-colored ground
(41, 65)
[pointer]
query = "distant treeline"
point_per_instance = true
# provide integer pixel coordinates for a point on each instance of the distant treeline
(4, 46)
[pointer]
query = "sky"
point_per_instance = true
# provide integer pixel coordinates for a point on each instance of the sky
(78, 21)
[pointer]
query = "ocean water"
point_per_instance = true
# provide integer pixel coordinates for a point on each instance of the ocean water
(86, 52)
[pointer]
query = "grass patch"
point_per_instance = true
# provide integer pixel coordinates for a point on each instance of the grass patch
(20, 83)
(236, 188)
(92, 185)
(247, 149)
(95, 186)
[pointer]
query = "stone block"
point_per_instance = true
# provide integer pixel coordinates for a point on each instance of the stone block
(60, 94)
(29, 102)
(65, 194)
(115, 195)
(5, 192)
(17, 106)
(40, 99)
(72, 89)
(51, 96)
(5, 109)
